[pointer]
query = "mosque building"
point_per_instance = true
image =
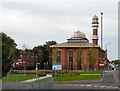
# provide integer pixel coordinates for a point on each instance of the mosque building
(78, 53)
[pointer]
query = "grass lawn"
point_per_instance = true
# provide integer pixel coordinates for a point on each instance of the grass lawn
(85, 75)
(78, 77)
(90, 72)
(17, 78)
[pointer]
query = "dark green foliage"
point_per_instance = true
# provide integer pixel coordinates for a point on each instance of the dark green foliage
(9, 53)
(44, 53)
(67, 73)
(116, 62)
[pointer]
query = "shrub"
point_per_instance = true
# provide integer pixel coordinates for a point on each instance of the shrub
(67, 73)
(41, 73)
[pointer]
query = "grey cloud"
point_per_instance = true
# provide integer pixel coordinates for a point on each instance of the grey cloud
(41, 21)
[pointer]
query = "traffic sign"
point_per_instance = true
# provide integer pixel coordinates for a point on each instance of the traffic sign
(57, 67)
(101, 64)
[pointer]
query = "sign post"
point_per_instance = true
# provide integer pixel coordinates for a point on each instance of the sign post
(56, 67)
(101, 64)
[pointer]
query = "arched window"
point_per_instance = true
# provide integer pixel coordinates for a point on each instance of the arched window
(58, 56)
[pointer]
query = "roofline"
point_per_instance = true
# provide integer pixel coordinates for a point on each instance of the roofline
(73, 46)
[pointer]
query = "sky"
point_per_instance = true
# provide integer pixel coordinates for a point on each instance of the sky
(33, 22)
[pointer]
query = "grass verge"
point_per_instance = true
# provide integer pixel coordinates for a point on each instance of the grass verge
(83, 75)
(78, 77)
(17, 78)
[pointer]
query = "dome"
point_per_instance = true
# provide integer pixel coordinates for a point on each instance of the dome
(79, 34)
(95, 17)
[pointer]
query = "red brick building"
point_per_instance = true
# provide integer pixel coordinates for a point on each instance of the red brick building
(67, 53)
(26, 60)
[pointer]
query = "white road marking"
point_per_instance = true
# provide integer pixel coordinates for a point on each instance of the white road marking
(95, 86)
(103, 86)
(89, 85)
(82, 85)
(86, 85)
(115, 87)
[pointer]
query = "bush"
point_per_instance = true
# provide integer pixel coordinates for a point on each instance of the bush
(67, 73)
(41, 73)
(31, 74)
(73, 73)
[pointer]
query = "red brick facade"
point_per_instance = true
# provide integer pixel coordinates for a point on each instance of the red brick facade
(65, 58)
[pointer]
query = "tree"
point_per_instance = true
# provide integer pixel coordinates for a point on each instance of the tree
(92, 57)
(39, 51)
(79, 58)
(117, 62)
(9, 53)
(44, 53)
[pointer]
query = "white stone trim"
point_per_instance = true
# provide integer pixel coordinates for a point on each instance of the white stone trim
(95, 24)
(94, 36)
(95, 27)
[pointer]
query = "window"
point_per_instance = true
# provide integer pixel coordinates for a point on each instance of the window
(71, 55)
(71, 59)
(58, 56)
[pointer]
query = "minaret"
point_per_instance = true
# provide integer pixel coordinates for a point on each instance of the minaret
(95, 26)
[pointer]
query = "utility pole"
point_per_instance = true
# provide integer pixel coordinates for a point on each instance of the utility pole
(101, 34)
(101, 42)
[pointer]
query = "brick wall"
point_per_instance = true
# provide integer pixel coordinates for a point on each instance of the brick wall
(65, 58)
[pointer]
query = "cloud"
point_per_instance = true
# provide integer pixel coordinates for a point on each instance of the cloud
(34, 23)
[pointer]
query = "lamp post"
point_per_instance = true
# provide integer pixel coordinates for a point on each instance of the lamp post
(44, 66)
(37, 69)
(13, 68)
(101, 36)
(24, 67)
(47, 65)
(106, 54)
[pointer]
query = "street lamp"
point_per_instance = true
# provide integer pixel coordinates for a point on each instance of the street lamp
(44, 66)
(37, 69)
(47, 65)
(106, 54)
(13, 66)
(106, 45)
(24, 67)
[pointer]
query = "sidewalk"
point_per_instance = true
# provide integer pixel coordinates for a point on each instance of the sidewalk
(110, 78)
(38, 78)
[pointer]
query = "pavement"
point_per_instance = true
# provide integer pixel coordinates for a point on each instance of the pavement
(38, 78)
(110, 78)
